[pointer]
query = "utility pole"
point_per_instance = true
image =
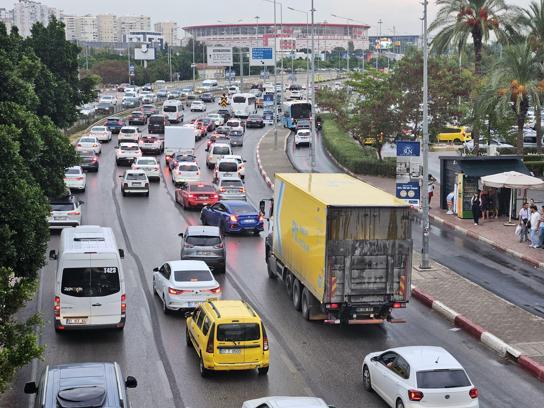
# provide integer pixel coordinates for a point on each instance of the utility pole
(170, 61)
(128, 56)
(307, 50)
(312, 90)
(275, 79)
(281, 73)
(194, 63)
(425, 148)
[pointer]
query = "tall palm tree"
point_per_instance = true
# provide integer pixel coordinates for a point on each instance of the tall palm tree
(533, 20)
(513, 84)
(459, 19)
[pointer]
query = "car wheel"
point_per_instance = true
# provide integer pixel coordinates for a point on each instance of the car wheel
(187, 337)
(399, 404)
(165, 309)
(147, 194)
(457, 142)
(263, 370)
(367, 382)
(305, 304)
(289, 284)
(204, 372)
(257, 233)
(297, 293)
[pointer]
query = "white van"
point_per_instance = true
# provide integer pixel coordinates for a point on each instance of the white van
(216, 153)
(89, 284)
(210, 84)
(173, 109)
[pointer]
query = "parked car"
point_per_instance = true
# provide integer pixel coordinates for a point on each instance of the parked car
(204, 243)
(81, 385)
(134, 182)
(75, 178)
(184, 284)
(137, 118)
(114, 124)
(418, 376)
(196, 194)
(233, 216)
(88, 160)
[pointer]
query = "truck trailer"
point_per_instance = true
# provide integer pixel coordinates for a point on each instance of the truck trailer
(342, 247)
(178, 139)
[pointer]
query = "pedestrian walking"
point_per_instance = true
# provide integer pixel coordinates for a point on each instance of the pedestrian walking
(449, 200)
(534, 221)
(541, 228)
(523, 221)
(430, 188)
(476, 207)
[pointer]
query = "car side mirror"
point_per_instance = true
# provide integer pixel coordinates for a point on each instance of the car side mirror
(131, 382)
(188, 314)
(121, 253)
(81, 202)
(52, 254)
(245, 161)
(116, 147)
(31, 388)
(374, 359)
(155, 269)
(180, 235)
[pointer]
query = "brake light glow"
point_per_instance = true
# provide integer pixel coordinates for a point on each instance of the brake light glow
(242, 190)
(265, 339)
(79, 145)
(261, 218)
(215, 196)
(56, 306)
(173, 291)
(218, 246)
(214, 290)
(233, 218)
(473, 393)
(74, 213)
(333, 306)
(222, 189)
(415, 395)
(123, 303)
(398, 305)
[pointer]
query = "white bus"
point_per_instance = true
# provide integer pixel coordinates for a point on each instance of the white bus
(243, 105)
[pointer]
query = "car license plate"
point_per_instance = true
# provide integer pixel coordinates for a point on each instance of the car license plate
(60, 218)
(204, 253)
(191, 304)
(229, 351)
(76, 321)
(364, 309)
(203, 197)
(247, 221)
(136, 184)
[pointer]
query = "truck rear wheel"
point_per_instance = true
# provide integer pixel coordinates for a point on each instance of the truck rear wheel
(305, 304)
(289, 283)
(297, 293)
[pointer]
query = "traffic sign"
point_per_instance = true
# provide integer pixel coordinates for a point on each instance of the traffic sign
(224, 101)
(261, 56)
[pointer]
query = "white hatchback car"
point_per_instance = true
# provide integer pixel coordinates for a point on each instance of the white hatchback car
(303, 136)
(149, 165)
(89, 143)
(419, 376)
(129, 134)
(198, 106)
(185, 172)
(284, 402)
(184, 284)
(101, 133)
(75, 178)
(217, 119)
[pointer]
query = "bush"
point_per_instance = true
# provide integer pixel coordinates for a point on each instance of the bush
(537, 167)
(350, 154)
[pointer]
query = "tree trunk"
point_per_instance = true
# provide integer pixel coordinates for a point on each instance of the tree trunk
(519, 145)
(477, 40)
(538, 128)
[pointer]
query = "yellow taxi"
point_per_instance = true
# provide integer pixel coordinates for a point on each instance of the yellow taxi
(228, 335)
(454, 134)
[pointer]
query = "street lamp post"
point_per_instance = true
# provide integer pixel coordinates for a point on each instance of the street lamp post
(193, 65)
(276, 113)
(307, 48)
(312, 90)
(425, 148)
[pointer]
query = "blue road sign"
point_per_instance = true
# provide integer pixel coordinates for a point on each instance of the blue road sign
(261, 53)
(410, 149)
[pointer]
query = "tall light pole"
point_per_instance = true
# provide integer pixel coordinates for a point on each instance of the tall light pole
(275, 74)
(307, 48)
(425, 148)
(193, 65)
(312, 90)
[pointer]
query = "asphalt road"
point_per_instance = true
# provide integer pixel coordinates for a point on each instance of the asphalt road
(498, 272)
(307, 358)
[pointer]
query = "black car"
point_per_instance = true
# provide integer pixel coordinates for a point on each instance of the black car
(104, 108)
(82, 385)
(207, 97)
(149, 110)
(226, 113)
(88, 160)
(255, 121)
(157, 123)
(137, 118)
(114, 124)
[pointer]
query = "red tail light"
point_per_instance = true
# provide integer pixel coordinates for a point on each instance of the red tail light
(74, 213)
(265, 339)
(94, 159)
(222, 189)
(473, 393)
(242, 190)
(79, 145)
(79, 178)
(211, 340)
(261, 218)
(333, 306)
(190, 195)
(173, 291)
(398, 305)
(233, 218)
(94, 145)
(214, 290)
(218, 246)
(215, 196)
(123, 303)
(414, 395)
(56, 306)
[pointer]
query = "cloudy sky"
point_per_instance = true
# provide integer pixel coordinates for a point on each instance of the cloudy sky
(402, 14)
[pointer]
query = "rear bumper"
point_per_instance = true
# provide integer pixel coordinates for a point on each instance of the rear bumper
(90, 167)
(362, 314)
(210, 364)
(241, 197)
(156, 150)
(135, 190)
(127, 160)
(118, 325)
(240, 227)
(212, 262)
(201, 203)
(63, 224)
(180, 304)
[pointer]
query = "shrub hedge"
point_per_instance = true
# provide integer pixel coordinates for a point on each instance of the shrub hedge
(350, 154)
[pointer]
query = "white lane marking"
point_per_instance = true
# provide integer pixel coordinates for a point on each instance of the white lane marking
(167, 392)
(288, 363)
(145, 319)
(308, 392)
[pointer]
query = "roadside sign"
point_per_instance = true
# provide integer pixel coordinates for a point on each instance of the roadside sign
(408, 172)
(268, 99)
(193, 65)
(261, 56)
(223, 101)
(131, 70)
(219, 56)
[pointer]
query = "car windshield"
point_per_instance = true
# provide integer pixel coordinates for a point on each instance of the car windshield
(221, 150)
(113, 121)
(201, 188)
(98, 129)
(304, 133)
(452, 378)
(129, 148)
(254, 117)
(156, 119)
(87, 140)
(62, 206)
(169, 108)
(137, 113)
(192, 276)
(231, 183)
(238, 332)
(187, 167)
(135, 176)
(147, 162)
(72, 171)
(128, 130)
(87, 282)
(239, 99)
(242, 209)
(203, 240)
(236, 133)
(228, 167)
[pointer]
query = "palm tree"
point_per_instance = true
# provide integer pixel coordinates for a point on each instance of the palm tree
(459, 19)
(513, 84)
(533, 19)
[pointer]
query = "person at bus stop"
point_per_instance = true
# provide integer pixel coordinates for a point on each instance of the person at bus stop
(476, 207)
(541, 228)
(484, 198)
(449, 200)
(534, 220)
(430, 188)
(523, 221)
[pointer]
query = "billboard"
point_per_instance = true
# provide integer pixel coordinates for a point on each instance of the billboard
(408, 172)
(219, 56)
(144, 53)
(261, 56)
(384, 44)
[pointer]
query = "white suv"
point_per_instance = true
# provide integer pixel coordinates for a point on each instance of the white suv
(101, 133)
(134, 182)
(129, 134)
(127, 153)
(149, 165)
(198, 106)
(75, 178)
(185, 172)
(89, 143)
(65, 212)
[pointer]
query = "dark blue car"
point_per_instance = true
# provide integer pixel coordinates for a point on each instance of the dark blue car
(233, 216)
(114, 124)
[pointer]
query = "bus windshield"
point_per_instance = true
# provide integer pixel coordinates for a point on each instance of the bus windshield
(301, 110)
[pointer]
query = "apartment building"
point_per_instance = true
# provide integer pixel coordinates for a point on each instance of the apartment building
(169, 30)
(126, 24)
(107, 28)
(26, 13)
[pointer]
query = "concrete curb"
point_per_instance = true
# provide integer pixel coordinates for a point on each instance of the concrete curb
(259, 164)
(481, 334)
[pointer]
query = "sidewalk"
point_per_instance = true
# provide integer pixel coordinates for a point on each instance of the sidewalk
(509, 330)
(273, 160)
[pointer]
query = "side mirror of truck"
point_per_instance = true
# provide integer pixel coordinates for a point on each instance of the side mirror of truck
(267, 207)
(121, 253)
(31, 388)
(52, 254)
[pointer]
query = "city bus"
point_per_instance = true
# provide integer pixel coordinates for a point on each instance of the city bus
(243, 104)
(294, 111)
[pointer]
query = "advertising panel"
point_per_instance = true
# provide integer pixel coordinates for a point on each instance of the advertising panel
(408, 172)
(219, 56)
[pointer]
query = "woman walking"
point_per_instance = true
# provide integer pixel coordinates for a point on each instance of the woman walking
(476, 205)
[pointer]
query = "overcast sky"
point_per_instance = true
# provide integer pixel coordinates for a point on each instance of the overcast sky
(402, 14)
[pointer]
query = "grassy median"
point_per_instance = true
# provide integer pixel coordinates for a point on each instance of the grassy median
(350, 154)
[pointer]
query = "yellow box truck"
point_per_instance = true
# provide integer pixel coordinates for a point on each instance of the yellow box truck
(342, 247)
